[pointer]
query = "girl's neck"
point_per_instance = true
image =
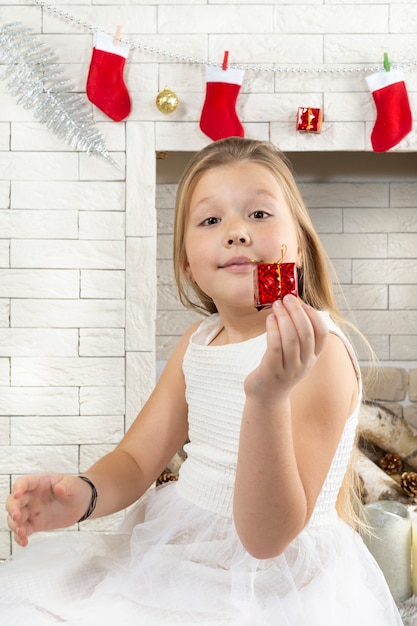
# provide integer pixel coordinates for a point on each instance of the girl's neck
(240, 328)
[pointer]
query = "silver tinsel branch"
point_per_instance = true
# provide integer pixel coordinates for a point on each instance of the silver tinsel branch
(33, 73)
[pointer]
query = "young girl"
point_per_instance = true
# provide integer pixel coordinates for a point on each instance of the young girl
(250, 534)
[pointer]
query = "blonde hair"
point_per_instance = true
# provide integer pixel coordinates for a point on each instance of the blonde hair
(315, 287)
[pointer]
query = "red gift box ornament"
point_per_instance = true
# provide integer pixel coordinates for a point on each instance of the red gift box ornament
(309, 120)
(272, 281)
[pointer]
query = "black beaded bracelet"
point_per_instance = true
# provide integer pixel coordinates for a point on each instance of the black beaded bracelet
(93, 500)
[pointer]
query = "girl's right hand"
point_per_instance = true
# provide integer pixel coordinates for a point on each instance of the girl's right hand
(41, 502)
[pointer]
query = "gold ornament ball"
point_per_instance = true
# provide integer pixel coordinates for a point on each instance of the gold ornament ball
(166, 101)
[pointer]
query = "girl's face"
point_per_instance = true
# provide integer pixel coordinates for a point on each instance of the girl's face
(237, 213)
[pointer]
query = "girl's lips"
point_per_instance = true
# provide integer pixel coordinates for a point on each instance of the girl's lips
(238, 264)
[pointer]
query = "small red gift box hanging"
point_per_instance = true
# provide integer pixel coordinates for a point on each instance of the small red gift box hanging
(309, 120)
(272, 281)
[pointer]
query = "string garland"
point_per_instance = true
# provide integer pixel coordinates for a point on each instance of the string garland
(180, 58)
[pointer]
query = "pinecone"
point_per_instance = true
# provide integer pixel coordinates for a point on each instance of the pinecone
(409, 483)
(391, 463)
(166, 477)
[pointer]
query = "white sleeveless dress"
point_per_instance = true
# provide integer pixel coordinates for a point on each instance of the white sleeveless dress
(177, 559)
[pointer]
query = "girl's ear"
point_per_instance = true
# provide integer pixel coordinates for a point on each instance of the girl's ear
(187, 271)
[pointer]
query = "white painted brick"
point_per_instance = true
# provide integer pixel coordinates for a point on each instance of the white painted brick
(102, 225)
(140, 293)
(165, 273)
(100, 196)
(248, 47)
(102, 400)
(10, 14)
(168, 298)
(140, 381)
(355, 246)
(38, 458)
(30, 283)
(39, 401)
(4, 137)
(350, 135)
(39, 224)
(39, 165)
(176, 322)
(38, 342)
(135, 19)
(140, 187)
(327, 220)
(403, 18)
(103, 284)
(4, 194)
(165, 198)
(192, 138)
(403, 296)
(379, 344)
(63, 430)
(165, 221)
(343, 269)
(67, 314)
(365, 296)
(93, 167)
(387, 322)
(143, 77)
(89, 454)
(36, 136)
(382, 219)
(272, 107)
(33, 135)
(384, 271)
(66, 371)
(348, 107)
(4, 312)
(215, 19)
(338, 48)
(4, 438)
(403, 347)
(164, 246)
(101, 342)
(402, 245)
(10, 111)
(4, 253)
(4, 372)
(342, 18)
(5, 546)
(68, 254)
(403, 194)
(347, 194)
(186, 45)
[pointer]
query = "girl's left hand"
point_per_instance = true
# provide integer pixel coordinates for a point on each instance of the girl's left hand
(296, 335)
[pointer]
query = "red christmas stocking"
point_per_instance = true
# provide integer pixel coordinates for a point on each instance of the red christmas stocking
(105, 85)
(394, 119)
(218, 116)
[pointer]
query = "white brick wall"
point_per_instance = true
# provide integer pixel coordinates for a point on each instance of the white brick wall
(78, 236)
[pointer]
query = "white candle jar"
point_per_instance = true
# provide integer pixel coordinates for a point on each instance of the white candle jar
(389, 541)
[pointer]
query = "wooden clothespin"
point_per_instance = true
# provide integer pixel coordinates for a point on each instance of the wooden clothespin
(117, 35)
(387, 64)
(225, 59)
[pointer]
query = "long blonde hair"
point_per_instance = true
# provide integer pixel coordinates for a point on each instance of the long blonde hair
(315, 286)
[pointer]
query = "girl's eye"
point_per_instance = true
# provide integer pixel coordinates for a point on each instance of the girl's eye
(259, 214)
(210, 221)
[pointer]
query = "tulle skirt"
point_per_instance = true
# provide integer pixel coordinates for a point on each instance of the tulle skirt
(172, 563)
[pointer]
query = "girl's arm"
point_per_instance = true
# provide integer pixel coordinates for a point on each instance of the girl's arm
(298, 400)
(48, 501)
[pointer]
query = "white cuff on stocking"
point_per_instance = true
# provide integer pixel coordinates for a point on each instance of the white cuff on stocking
(105, 42)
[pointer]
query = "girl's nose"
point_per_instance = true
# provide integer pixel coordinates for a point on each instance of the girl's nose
(237, 239)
